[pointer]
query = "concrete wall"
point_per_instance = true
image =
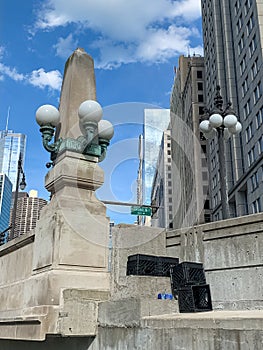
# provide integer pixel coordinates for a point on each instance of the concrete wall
(231, 252)
(205, 331)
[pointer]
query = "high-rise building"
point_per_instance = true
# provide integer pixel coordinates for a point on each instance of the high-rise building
(191, 199)
(5, 201)
(161, 195)
(155, 122)
(233, 44)
(27, 213)
(11, 145)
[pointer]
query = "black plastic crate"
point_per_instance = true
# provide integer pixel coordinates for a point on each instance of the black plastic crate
(187, 273)
(150, 265)
(165, 263)
(140, 264)
(195, 298)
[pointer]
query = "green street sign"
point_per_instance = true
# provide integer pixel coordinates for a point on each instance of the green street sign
(146, 211)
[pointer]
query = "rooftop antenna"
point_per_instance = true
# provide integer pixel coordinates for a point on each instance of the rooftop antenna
(7, 119)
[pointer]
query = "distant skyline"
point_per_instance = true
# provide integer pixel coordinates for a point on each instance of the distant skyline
(135, 47)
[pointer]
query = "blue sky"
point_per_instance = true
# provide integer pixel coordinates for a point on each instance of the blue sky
(135, 45)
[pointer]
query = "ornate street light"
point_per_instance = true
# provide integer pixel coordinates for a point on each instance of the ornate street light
(22, 185)
(96, 137)
(223, 123)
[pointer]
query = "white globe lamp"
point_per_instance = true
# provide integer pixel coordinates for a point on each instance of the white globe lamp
(205, 126)
(90, 111)
(216, 120)
(236, 129)
(230, 120)
(105, 130)
(47, 115)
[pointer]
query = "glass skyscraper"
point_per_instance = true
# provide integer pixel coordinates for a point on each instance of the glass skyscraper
(156, 121)
(5, 201)
(11, 145)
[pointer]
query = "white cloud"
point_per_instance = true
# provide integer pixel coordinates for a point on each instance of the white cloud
(10, 72)
(38, 78)
(65, 46)
(130, 31)
(42, 79)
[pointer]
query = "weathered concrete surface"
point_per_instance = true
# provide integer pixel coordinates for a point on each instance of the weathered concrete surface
(129, 312)
(129, 240)
(231, 251)
(217, 330)
(242, 330)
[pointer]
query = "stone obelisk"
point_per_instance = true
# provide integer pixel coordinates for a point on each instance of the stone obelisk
(78, 85)
(72, 233)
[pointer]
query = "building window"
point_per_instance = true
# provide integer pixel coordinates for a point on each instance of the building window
(203, 148)
(252, 46)
(201, 110)
(241, 44)
(247, 109)
(200, 86)
(245, 86)
(207, 204)
(249, 132)
(204, 175)
(257, 93)
(259, 118)
(255, 69)
(214, 182)
(243, 65)
(237, 6)
(250, 24)
(215, 200)
(247, 6)
(256, 206)
(260, 145)
(239, 24)
(200, 98)
(251, 156)
(254, 181)
(199, 74)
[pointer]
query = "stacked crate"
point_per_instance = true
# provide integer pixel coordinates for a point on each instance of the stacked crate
(150, 265)
(189, 286)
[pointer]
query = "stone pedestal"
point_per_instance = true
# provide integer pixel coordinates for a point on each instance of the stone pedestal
(73, 230)
(72, 236)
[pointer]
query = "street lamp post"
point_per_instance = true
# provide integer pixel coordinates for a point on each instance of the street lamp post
(223, 123)
(96, 137)
(22, 185)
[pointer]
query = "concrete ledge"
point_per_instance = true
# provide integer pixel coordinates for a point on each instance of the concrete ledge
(76, 315)
(239, 320)
(129, 312)
(28, 324)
